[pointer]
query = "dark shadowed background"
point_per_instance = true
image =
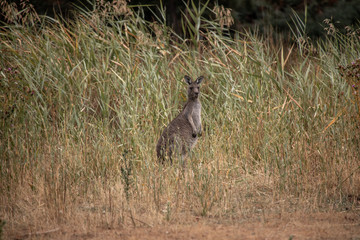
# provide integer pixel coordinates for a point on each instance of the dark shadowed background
(246, 13)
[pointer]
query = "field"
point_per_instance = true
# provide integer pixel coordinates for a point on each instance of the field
(84, 102)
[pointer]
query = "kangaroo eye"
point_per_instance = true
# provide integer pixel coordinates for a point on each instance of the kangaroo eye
(191, 88)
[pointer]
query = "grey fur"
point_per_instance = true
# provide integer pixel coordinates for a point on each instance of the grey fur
(181, 135)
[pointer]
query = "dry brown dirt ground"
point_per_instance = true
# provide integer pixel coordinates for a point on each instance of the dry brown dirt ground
(337, 225)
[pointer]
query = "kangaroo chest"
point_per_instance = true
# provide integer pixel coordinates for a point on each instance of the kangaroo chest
(196, 115)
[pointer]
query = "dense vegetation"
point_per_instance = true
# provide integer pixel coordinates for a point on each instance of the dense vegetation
(82, 105)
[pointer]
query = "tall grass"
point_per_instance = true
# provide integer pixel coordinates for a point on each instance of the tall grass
(82, 106)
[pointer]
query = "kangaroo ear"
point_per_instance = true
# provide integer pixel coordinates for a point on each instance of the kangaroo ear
(187, 79)
(199, 80)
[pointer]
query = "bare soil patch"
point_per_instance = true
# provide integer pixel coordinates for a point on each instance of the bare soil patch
(336, 225)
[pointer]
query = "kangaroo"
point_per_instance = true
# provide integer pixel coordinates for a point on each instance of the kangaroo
(181, 135)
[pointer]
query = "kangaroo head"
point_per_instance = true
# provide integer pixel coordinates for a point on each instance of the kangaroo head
(194, 87)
